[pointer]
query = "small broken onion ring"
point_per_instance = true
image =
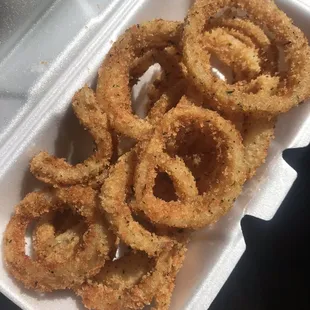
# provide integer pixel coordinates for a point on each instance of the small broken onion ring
(56, 171)
(49, 245)
(252, 35)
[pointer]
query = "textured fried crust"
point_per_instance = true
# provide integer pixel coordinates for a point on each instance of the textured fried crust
(226, 179)
(43, 275)
(57, 171)
(167, 90)
(171, 85)
(178, 169)
(118, 212)
(257, 136)
(257, 133)
(163, 296)
(252, 35)
(113, 88)
(131, 282)
(50, 245)
(295, 85)
(232, 52)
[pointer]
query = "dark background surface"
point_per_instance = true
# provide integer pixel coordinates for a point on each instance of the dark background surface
(273, 272)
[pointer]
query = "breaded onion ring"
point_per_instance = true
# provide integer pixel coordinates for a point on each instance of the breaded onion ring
(58, 172)
(113, 88)
(50, 245)
(118, 212)
(163, 296)
(252, 35)
(131, 282)
(216, 192)
(46, 276)
(232, 52)
(171, 85)
(293, 89)
(257, 135)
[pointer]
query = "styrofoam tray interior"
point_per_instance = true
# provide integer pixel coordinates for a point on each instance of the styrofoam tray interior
(53, 48)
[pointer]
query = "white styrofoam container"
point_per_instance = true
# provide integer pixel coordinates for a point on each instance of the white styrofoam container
(49, 50)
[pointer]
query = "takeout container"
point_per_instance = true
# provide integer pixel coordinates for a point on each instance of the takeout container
(48, 51)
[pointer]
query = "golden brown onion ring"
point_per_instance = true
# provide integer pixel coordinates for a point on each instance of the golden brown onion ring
(226, 179)
(257, 136)
(232, 52)
(58, 246)
(257, 133)
(113, 201)
(163, 296)
(167, 100)
(58, 172)
(291, 91)
(131, 282)
(253, 36)
(113, 88)
(46, 276)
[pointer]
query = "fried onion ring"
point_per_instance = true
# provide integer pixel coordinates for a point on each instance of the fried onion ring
(118, 212)
(131, 283)
(252, 35)
(293, 89)
(46, 276)
(113, 88)
(232, 51)
(191, 210)
(50, 245)
(56, 171)
(257, 135)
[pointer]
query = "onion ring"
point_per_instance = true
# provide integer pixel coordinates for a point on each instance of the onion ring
(118, 212)
(56, 171)
(113, 91)
(233, 52)
(163, 296)
(252, 35)
(130, 284)
(45, 276)
(257, 135)
(167, 100)
(190, 210)
(295, 87)
(49, 245)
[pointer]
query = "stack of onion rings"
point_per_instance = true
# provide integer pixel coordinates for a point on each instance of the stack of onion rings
(152, 181)
(295, 85)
